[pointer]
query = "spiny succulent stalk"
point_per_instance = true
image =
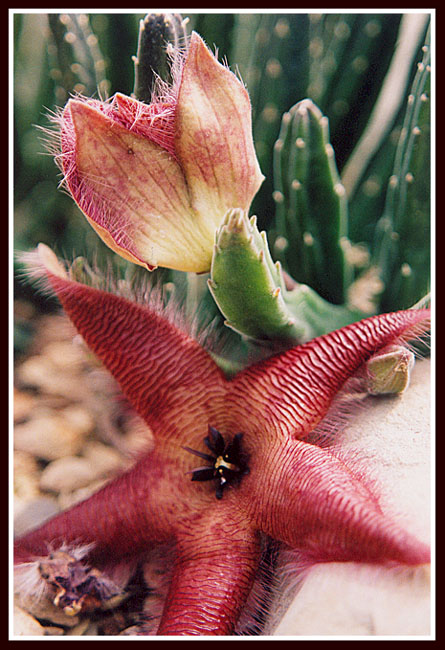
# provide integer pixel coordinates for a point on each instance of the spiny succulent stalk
(77, 64)
(250, 290)
(311, 202)
(403, 232)
(247, 286)
(367, 200)
(328, 39)
(271, 51)
(349, 57)
(152, 61)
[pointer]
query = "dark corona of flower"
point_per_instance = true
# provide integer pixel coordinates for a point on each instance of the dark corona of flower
(228, 464)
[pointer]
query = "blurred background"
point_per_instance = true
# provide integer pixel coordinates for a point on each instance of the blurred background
(359, 69)
(367, 73)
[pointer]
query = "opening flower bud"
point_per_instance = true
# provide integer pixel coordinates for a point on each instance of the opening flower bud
(155, 180)
(389, 370)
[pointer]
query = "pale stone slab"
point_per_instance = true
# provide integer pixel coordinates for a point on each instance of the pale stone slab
(393, 438)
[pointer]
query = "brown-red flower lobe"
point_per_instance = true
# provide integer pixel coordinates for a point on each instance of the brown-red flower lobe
(295, 492)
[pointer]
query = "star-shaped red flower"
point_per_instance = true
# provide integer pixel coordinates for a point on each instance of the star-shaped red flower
(275, 483)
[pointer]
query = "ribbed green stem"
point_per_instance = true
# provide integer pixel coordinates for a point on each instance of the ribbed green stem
(271, 52)
(152, 60)
(402, 236)
(349, 57)
(77, 64)
(311, 203)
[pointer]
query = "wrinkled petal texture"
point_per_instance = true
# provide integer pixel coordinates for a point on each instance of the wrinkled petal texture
(170, 380)
(301, 383)
(313, 499)
(212, 576)
(132, 191)
(214, 135)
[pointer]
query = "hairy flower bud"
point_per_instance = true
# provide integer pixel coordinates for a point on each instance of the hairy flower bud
(155, 180)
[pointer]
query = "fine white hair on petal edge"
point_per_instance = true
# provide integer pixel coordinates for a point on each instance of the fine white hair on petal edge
(141, 289)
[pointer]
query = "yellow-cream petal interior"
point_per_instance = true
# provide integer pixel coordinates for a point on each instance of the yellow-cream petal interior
(135, 195)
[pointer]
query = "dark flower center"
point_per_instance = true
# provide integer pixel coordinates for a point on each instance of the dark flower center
(228, 464)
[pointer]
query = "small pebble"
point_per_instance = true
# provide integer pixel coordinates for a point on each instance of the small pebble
(44, 609)
(41, 373)
(25, 624)
(26, 476)
(67, 474)
(68, 499)
(32, 514)
(78, 418)
(65, 354)
(105, 460)
(35, 371)
(51, 436)
(23, 404)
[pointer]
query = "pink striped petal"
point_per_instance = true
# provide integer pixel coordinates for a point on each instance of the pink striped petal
(291, 392)
(318, 504)
(212, 576)
(169, 379)
(214, 135)
(132, 192)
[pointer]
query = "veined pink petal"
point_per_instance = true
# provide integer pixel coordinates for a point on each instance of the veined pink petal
(301, 383)
(212, 575)
(214, 135)
(133, 193)
(313, 501)
(115, 527)
(154, 121)
(169, 379)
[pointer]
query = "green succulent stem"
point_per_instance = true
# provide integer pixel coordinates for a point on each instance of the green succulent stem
(350, 56)
(152, 60)
(311, 205)
(250, 290)
(404, 228)
(272, 52)
(77, 63)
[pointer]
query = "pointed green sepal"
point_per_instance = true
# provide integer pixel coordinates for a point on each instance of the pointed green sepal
(250, 290)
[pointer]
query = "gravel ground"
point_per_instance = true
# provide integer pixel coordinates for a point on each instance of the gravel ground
(72, 433)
